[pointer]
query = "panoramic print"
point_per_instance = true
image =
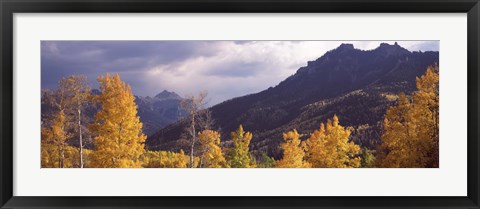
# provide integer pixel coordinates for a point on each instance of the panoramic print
(240, 104)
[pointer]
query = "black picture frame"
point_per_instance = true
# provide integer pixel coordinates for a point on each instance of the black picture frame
(9, 7)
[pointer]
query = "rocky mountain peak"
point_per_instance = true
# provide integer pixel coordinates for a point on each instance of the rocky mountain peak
(345, 47)
(167, 95)
(394, 49)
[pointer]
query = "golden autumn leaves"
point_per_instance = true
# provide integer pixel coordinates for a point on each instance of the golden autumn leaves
(68, 101)
(409, 139)
(117, 130)
(119, 141)
(327, 147)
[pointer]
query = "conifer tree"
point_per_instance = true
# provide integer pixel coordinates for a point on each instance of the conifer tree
(368, 159)
(265, 161)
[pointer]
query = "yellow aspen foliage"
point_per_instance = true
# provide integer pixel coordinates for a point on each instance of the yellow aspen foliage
(64, 106)
(239, 156)
(55, 153)
(87, 157)
(425, 114)
(49, 152)
(71, 158)
(329, 147)
(211, 153)
(410, 138)
(165, 159)
(54, 141)
(395, 150)
(119, 141)
(293, 154)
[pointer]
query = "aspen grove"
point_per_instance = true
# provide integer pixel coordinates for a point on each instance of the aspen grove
(409, 138)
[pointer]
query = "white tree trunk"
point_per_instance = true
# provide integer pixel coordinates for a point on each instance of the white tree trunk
(80, 137)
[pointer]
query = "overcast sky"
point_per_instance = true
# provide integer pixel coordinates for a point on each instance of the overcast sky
(226, 69)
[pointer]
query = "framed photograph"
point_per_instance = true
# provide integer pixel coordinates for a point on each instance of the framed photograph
(239, 104)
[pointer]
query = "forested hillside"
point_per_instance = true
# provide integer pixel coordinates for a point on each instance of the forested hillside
(356, 85)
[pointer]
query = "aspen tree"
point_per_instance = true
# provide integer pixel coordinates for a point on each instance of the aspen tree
(330, 147)
(119, 141)
(79, 92)
(410, 138)
(193, 105)
(293, 154)
(240, 155)
(211, 153)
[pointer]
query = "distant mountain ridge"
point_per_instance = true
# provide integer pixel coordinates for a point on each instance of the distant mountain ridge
(166, 95)
(159, 111)
(357, 85)
(154, 112)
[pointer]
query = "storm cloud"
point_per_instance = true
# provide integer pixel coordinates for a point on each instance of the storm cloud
(226, 69)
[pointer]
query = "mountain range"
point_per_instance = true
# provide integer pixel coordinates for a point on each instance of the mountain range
(158, 111)
(356, 85)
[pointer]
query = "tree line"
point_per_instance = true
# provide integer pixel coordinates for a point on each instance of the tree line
(410, 135)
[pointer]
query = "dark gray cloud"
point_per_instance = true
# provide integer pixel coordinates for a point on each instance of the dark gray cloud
(94, 58)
